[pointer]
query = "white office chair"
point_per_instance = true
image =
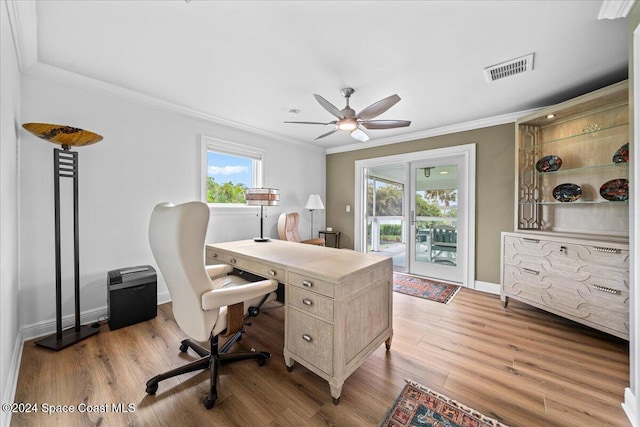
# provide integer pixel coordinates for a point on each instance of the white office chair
(204, 299)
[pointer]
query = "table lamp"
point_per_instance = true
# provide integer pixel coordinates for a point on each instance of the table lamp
(65, 165)
(262, 197)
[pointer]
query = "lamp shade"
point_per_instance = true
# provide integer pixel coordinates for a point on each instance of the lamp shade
(314, 202)
(262, 196)
(63, 135)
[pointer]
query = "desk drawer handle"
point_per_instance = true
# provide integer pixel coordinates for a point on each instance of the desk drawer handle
(605, 289)
(232, 261)
(214, 255)
(530, 240)
(307, 284)
(307, 301)
(272, 273)
(530, 271)
(607, 250)
(307, 338)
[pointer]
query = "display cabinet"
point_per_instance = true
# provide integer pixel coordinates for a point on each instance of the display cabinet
(572, 166)
(569, 254)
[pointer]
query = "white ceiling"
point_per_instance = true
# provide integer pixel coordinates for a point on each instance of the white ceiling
(250, 62)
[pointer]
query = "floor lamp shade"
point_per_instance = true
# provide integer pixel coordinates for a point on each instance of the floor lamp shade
(262, 197)
(313, 202)
(65, 165)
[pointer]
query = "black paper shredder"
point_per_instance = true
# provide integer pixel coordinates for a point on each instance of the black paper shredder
(132, 296)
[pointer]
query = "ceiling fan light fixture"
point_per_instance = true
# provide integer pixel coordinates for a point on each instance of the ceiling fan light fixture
(348, 124)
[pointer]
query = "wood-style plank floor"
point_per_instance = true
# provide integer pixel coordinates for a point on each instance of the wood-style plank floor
(520, 365)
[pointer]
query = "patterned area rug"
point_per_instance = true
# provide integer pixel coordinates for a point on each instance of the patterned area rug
(419, 406)
(424, 288)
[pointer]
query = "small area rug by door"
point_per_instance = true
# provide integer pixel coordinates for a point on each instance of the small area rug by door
(419, 406)
(424, 288)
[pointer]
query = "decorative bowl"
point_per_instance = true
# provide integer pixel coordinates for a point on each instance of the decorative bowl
(548, 164)
(622, 154)
(616, 190)
(567, 192)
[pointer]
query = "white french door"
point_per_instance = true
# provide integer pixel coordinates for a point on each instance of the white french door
(438, 208)
(438, 224)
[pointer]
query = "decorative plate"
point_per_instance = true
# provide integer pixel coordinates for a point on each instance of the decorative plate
(548, 164)
(567, 192)
(622, 155)
(616, 190)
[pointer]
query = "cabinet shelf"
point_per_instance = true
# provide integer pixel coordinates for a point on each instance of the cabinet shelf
(622, 166)
(576, 203)
(593, 136)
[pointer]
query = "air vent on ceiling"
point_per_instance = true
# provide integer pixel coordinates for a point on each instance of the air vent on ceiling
(509, 68)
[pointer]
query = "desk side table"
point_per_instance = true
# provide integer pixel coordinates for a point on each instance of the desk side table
(335, 234)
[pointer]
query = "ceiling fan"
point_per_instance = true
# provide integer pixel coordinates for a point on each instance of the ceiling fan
(349, 121)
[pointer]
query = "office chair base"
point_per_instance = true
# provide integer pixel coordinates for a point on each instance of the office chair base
(209, 360)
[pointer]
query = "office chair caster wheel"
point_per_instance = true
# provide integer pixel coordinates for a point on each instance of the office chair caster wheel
(261, 361)
(151, 389)
(184, 348)
(290, 368)
(208, 403)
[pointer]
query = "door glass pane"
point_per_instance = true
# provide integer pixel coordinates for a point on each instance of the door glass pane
(436, 202)
(385, 215)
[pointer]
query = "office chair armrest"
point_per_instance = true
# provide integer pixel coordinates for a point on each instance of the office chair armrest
(236, 292)
(218, 270)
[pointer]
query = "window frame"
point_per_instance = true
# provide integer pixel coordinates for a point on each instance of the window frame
(222, 146)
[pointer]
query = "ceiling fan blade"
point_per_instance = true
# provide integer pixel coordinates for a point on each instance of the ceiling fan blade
(328, 133)
(360, 135)
(314, 123)
(378, 108)
(328, 106)
(385, 124)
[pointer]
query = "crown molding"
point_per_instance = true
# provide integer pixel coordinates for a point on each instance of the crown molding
(614, 9)
(429, 133)
(69, 78)
(23, 23)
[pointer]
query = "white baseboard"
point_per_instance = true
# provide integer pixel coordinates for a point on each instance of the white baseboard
(630, 407)
(9, 390)
(47, 327)
(490, 288)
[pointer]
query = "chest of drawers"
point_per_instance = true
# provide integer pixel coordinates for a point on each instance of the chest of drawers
(583, 280)
(338, 303)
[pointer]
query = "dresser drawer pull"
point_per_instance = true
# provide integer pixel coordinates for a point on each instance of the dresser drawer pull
(307, 338)
(307, 284)
(530, 271)
(272, 273)
(530, 240)
(605, 289)
(307, 301)
(214, 255)
(607, 250)
(232, 261)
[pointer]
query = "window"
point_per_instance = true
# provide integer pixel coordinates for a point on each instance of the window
(227, 170)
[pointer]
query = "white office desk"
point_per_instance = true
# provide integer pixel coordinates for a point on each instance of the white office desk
(338, 303)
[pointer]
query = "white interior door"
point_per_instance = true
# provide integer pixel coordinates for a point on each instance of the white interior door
(438, 219)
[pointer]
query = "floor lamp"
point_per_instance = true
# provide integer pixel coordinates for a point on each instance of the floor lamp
(65, 165)
(262, 197)
(313, 202)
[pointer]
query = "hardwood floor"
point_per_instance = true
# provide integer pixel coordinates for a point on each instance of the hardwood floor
(520, 365)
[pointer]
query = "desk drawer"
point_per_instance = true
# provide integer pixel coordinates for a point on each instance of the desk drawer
(310, 302)
(246, 264)
(310, 339)
(311, 284)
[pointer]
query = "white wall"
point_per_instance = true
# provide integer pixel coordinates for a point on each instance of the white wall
(10, 342)
(148, 155)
